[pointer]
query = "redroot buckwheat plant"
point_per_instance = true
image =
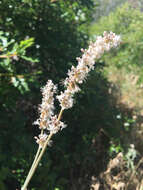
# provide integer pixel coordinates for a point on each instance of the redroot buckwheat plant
(48, 122)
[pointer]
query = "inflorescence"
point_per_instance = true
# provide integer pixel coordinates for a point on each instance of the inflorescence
(49, 123)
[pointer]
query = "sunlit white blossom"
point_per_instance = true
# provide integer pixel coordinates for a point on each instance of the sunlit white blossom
(41, 139)
(47, 106)
(65, 99)
(86, 63)
(48, 121)
(126, 124)
(55, 125)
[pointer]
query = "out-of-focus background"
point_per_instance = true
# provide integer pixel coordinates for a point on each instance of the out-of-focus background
(102, 147)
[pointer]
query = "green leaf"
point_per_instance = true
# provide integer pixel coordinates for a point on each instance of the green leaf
(26, 43)
(21, 84)
(29, 59)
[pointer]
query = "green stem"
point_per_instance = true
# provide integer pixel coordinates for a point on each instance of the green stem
(37, 154)
(36, 163)
(30, 171)
(38, 157)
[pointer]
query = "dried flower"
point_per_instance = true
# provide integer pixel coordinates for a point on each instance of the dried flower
(78, 74)
(47, 106)
(66, 99)
(50, 123)
(41, 139)
(55, 125)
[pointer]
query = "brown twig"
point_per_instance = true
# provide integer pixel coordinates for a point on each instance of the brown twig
(8, 56)
(133, 173)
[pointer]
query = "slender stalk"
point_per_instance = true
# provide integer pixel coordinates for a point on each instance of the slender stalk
(38, 157)
(36, 163)
(30, 171)
(37, 154)
(35, 159)
(60, 114)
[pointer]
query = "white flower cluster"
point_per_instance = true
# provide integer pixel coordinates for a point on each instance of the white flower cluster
(48, 121)
(47, 107)
(85, 64)
(41, 139)
(55, 125)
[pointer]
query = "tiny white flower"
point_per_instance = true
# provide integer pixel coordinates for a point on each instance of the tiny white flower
(41, 139)
(132, 146)
(126, 124)
(118, 116)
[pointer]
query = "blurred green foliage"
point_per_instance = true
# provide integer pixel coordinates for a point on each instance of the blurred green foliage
(123, 67)
(105, 7)
(128, 22)
(39, 40)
